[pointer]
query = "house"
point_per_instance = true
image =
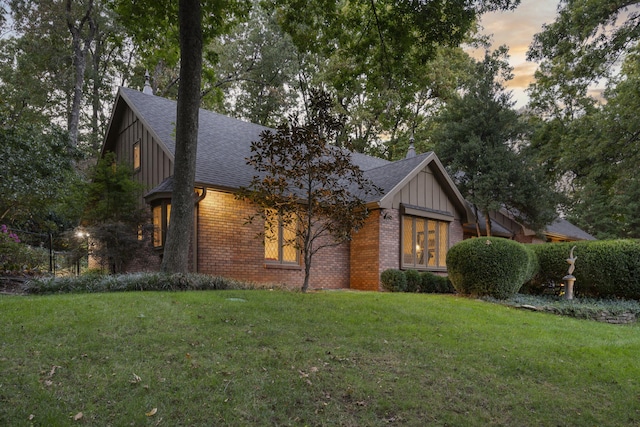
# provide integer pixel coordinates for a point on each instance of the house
(417, 217)
(503, 224)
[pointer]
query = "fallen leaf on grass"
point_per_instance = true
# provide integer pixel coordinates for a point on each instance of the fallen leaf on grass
(53, 370)
(78, 416)
(152, 412)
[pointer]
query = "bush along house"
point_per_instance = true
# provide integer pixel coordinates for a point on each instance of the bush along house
(417, 217)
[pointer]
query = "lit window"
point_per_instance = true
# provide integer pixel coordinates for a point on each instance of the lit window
(280, 240)
(136, 156)
(424, 243)
(161, 215)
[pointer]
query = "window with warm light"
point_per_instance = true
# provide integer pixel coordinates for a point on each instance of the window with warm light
(161, 214)
(136, 156)
(280, 240)
(424, 243)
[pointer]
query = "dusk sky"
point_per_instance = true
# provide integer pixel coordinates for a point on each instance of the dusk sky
(516, 30)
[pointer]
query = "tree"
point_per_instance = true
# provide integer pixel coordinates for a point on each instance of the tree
(36, 169)
(145, 20)
(313, 186)
(582, 46)
(378, 56)
(113, 216)
(480, 138)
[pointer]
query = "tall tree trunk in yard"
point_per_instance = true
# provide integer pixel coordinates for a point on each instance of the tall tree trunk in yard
(81, 41)
(179, 235)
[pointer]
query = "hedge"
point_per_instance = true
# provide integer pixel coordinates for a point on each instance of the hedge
(603, 269)
(394, 280)
(490, 266)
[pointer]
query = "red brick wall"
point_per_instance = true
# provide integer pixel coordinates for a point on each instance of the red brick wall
(375, 248)
(228, 247)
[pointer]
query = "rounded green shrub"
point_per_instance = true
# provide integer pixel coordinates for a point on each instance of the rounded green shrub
(434, 284)
(489, 266)
(393, 280)
(414, 280)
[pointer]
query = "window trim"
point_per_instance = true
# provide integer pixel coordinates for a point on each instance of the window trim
(137, 160)
(427, 220)
(280, 262)
(164, 206)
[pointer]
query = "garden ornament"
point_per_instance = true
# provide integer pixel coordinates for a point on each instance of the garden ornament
(569, 279)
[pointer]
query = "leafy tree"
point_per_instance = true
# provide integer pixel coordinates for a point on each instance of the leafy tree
(581, 47)
(480, 139)
(311, 183)
(378, 56)
(36, 168)
(57, 50)
(113, 216)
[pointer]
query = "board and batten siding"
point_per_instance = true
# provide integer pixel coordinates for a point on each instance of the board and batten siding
(424, 191)
(155, 163)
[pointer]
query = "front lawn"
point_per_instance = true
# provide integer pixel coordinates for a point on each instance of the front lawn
(256, 358)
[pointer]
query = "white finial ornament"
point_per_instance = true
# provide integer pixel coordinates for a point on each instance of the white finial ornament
(147, 85)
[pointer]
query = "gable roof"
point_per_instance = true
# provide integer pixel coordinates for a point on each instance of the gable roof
(224, 143)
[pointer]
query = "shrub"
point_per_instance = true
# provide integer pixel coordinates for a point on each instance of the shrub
(489, 266)
(135, 282)
(604, 269)
(414, 280)
(16, 256)
(434, 284)
(393, 280)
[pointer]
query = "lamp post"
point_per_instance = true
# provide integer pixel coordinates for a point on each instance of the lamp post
(83, 235)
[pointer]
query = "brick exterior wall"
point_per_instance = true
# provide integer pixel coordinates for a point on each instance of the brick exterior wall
(228, 247)
(375, 248)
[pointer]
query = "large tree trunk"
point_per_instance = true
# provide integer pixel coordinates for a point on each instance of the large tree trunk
(81, 46)
(179, 235)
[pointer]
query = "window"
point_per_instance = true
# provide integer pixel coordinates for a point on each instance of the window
(161, 214)
(424, 243)
(280, 240)
(136, 156)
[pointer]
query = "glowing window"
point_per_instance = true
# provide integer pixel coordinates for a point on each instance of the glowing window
(424, 243)
(280, 241)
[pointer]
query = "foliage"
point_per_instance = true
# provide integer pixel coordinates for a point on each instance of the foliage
(604, 269)
(95, 281)
(61, 60)
(602, 310)
(113, 215)
(348, 359)
(495, 267)
(479, 139)
(587, 138)
(313, 185)
(36, 169)
(583, 45)
(262, 74)
(414, 280)
(16, 256)
(388, 63)
(435, 284)
(393, 280)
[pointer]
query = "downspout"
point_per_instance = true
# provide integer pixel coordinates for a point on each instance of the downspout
(194, 240)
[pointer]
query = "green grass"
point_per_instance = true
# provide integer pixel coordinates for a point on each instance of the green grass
(257, 358)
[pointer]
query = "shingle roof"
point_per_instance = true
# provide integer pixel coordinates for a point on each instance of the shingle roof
(563, 227)
(223, 142)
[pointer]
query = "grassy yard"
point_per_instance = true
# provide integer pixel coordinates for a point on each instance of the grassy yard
(280, 358)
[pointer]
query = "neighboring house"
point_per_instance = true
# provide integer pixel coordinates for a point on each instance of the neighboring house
(503, 224)
(417, 218)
